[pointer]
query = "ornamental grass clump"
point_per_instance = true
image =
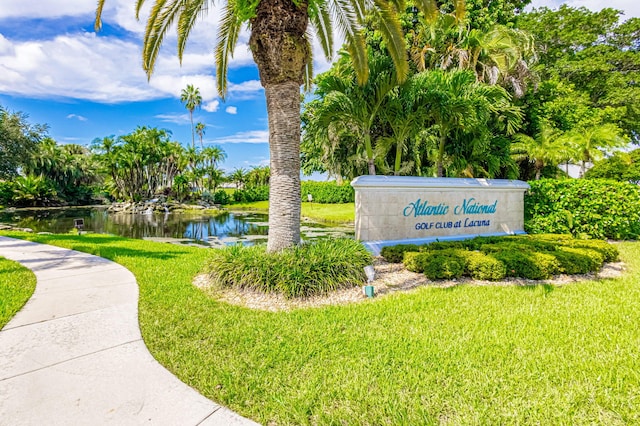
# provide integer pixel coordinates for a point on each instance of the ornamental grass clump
(307, 270)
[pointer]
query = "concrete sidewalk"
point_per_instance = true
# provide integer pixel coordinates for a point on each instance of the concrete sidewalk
(74, 354)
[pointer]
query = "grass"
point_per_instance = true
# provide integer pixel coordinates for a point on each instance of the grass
(331, 213)
(465, 355)
(16, 287)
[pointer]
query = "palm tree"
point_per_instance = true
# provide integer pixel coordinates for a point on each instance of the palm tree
(191, 99)
(591, 143)
(405, 117)
(200, 131)
(351, 109)
(455, 101)
(239, 177)
(501, 55)
(544, 148)
(282, 51)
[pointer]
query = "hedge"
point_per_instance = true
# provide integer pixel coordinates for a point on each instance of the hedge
(328, 192)
(534, 257)
(596, 208)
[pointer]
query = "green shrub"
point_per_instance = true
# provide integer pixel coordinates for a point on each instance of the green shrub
(415, 261)
(6, 192)
(480, 266)
(443, 266)
(328, 192)
(221, 197)
(250, 195)
(310, 269)
(446, 245)
(578, 260)
(492, 258)
(593, 207)
(608, 251)
(531, 265)
(395, 254)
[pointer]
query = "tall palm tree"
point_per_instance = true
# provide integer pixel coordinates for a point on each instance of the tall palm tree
(545, 148)
(200, 131)
(191, 99)
(281, 48)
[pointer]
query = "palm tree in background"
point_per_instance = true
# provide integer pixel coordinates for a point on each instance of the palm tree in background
(191, 99)
(349, 108)
(200, 131)
(591, 143)
(455, 102)
(238, 177)
(281, 48)
(546, 147)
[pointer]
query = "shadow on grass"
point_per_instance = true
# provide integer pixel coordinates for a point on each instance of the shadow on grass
(107, 246)
(547, 288)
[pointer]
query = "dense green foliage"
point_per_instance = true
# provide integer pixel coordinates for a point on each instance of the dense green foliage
(471, 354)
(622, 166)
(16, 286)
(18, 141)
(310, 269)
(328, 192)
(250, 195)
(533, 257)
(589, 66)
(584, 207)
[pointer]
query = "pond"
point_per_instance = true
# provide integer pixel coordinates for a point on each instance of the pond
(219, 230)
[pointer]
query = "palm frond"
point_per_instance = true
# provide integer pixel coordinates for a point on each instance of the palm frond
(429, 8)
(387, 22)
(320, 20)
(346, 15)
(98, 22)
(308, 71)
(228, 32)
(160, 20)
(194, 9)
(139, 4)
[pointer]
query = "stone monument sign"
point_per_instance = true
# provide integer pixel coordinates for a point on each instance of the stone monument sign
(401, 209)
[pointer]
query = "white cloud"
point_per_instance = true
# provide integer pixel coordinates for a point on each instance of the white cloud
(211, 106)
(631, 8)
(77, 117)
(253, 136)
(89, 67)
(231, 110)
(174, 118)
(46, 9)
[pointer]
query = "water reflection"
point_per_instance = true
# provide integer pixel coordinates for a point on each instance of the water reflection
(224, 228)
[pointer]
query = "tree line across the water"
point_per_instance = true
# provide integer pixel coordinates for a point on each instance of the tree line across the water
(37, 171)
(490, 92)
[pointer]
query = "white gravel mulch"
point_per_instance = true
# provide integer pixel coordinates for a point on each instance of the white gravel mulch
(390, 278)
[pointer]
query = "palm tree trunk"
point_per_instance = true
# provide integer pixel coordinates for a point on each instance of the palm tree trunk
(370, 161)
(443, 140)
(193, 132)
(283, 103)
(398, 162)
(281, 52)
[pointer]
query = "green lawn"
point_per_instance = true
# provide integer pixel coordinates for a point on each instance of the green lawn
(16, 286)
(332, 213)
(464, 355)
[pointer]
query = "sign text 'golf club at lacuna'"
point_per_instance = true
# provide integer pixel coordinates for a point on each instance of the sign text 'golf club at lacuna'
(398, 209)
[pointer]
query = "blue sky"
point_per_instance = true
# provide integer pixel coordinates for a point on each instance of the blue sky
(55, 68)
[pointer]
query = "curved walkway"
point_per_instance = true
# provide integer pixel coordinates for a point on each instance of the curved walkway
(74, 354)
